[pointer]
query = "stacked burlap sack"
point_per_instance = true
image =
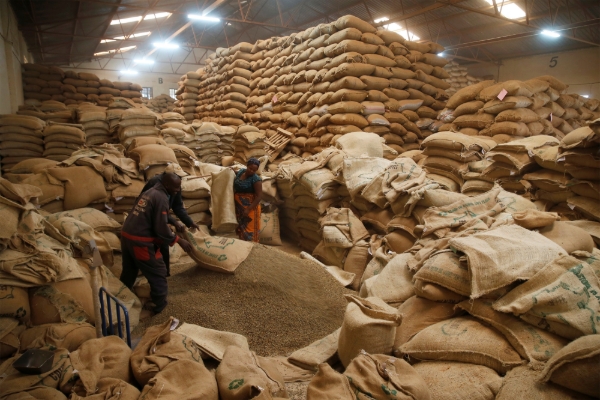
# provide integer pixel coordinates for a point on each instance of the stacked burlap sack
(133, 123)
(160, 104)
(329, 80)
(47, 110)
(224, 87)
(515, 109)
(95, 125)
(249, 142)
(61, 140)
(173, 127)
(459, 77)
(42, 82)
(187, 95)
(21, 138)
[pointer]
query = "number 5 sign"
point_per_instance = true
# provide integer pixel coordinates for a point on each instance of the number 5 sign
(553, 61)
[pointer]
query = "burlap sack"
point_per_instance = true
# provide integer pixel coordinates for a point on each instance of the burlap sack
(211, 342)
(356, 262)
(462, 211)
(328, 384)
(571, 238)
(459, 381)
(437, 293)
(289, 371)
(11, 212)
(359, 172)
(38, 393)
(182, 380)
(217, 253)
(575, 366)
(501, 256)
(62, 336)
(60, 376)
(269, 228)
(370, 325)
(316, 353)
(446, 269)
(107, 389)
(357, 144)
(532, 343)
(158, 348)
(20, 193)
(394, 283)
(106, 357)
(463, 339)
(14, 302)
(531, 219)
(559, 298)
(386, 378)
(67, 301)
(9, 336)
(341, 228)
(222, 201)
(241, 376)
(417, 314)
(77, 178)
(522, 383)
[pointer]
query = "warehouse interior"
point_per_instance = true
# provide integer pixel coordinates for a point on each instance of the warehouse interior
(270, 199)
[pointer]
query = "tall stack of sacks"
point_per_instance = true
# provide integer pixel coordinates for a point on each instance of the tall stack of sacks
(95, 126)
(208, 146)
(249, 142)
(61, 140)
(42, 82)
(288, 210)
(459, 77)
(160, 104)
(47, 110)
(107, 92)
(225, 87)
(129, 90)
(21, 138)
(196, 195)
(115, 108)
(136, 122)
(151, 154)
(187, 95)
(579, 153)
(172, 127)
(186, 158)
(448, 157)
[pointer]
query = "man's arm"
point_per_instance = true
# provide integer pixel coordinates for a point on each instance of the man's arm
(160, 212)
(179, 210)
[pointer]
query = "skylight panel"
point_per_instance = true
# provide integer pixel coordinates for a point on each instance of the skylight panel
(139, 18)
(394, 27)
(507, 9)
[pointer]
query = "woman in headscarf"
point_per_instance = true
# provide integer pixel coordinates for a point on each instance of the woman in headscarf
(247, 188)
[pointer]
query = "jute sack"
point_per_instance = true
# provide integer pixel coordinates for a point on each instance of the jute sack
(356, 262)
(417, 314)
(269, 228)
(359, 172)
(240, 376)
(446, 269)
(20, 193)
(522, 383)
(341, 228)
(357, 144)
(560, 298)
(67, 301)
(385, 377)
(77, 178)
(63, 336)
(38, 393)
(437, 293)
(152, 154)
(222, 203)
(182, 380)
(571, 238)
(575, 366)
(369, 324)
(107, 357)
(532, 343)
(316, 353)
(14, 302)
(501, 256)
(459, 381)
(107, 389)
(9, 336)
(532, 219)
(211, 342)
(327, 384)
(217, 253)
(394, 283)
(158, 348)
(463, 339)
(11, 213)
(59, 377)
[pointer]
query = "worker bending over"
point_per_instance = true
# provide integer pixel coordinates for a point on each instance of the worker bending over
(144, 231)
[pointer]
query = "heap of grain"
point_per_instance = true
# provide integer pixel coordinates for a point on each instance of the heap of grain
(160, 104)
(21, 138)
(187, 95)
(42, 82)
(459, 77)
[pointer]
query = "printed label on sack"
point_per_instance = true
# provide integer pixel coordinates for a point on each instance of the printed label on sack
(550, 117)
(502, 94)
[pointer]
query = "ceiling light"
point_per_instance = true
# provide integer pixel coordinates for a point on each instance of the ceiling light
(587, 96)
(551, 33)
(107, 40)
(133, 35)
(203, 18)
(129, 72)
(144, 61)
(165, 45)
(157, 15)
(440, 54)
(394, 27)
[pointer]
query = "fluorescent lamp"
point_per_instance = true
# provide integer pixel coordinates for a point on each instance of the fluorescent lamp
(203, 18)
(144, 61)
(440, 54)
(165, 45)
(129, 72)
(587, 96)
(107, 40)
(551, 33)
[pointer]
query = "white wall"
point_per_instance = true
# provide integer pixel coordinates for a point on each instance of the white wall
(13, 53)
(580, 69)
(144, 79)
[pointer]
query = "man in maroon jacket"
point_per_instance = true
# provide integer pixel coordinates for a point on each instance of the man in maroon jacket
(144, 230)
